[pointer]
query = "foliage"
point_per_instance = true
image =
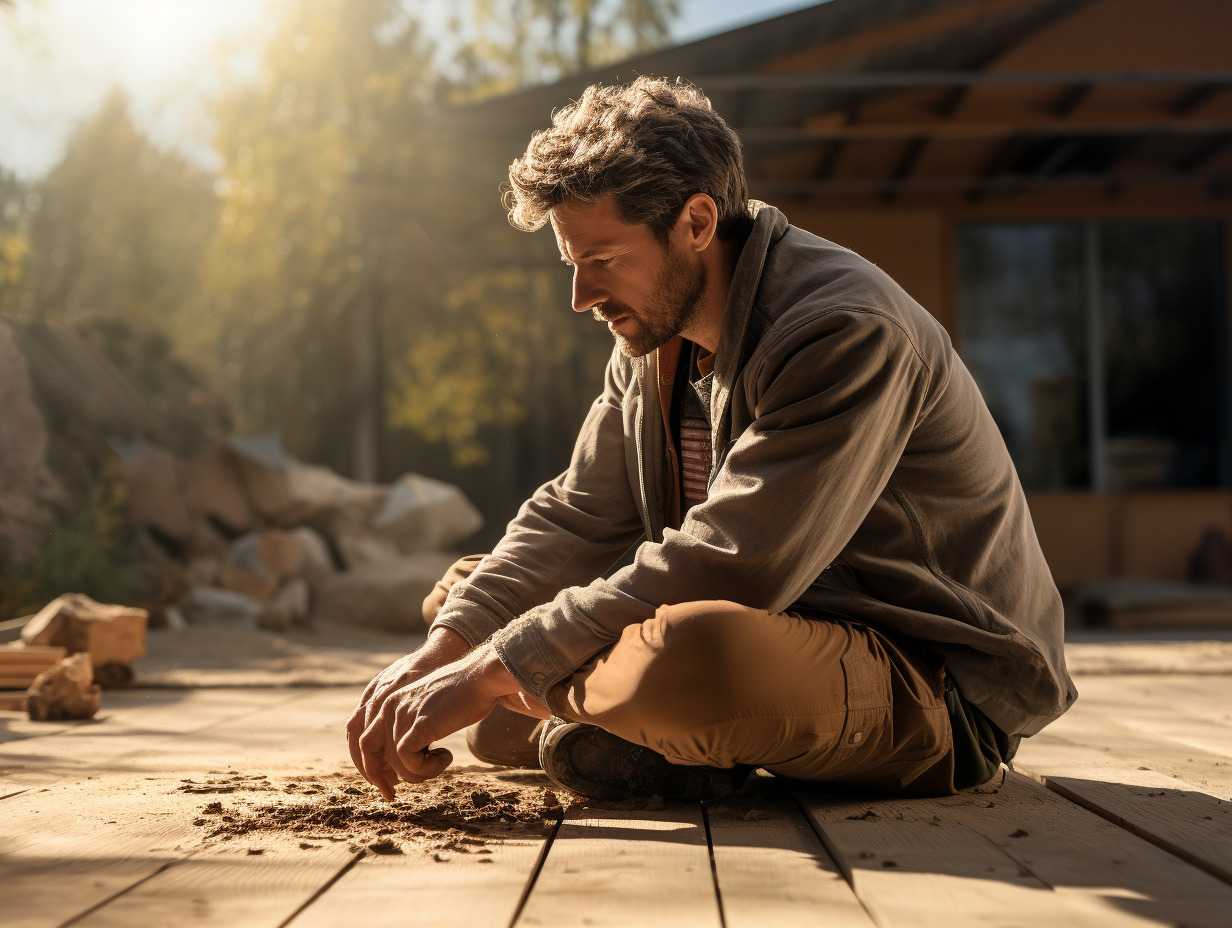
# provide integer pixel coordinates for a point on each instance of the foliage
(92, 550)
(508, 44)
(476, 368)
(117, 228)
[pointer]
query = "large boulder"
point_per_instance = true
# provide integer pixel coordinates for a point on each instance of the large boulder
(215, 486)
(26, 483)
(386, 596)
(157, 498)
(209, 606)
(422, 514)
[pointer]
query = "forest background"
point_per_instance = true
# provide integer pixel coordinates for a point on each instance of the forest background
(345, 278)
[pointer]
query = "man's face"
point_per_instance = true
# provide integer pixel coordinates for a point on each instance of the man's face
(645, 292)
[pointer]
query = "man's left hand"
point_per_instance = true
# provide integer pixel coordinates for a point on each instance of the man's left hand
(431, 708)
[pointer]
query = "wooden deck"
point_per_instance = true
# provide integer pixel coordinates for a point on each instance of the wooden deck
(1117, 815)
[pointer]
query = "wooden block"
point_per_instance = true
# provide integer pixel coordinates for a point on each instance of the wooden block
(9, 703)
(76, 622)
(15, 681)
(13, 656)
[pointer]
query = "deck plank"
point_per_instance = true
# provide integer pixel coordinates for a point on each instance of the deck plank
(132, 723)
(1022, 851)
(620, 868)
(70, 846)
(227, 888)
(456, 891)
(772, 870)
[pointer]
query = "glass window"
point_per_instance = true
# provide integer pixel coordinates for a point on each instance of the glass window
(1100, 348)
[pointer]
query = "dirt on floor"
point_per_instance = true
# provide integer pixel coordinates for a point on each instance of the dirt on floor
(460, 812)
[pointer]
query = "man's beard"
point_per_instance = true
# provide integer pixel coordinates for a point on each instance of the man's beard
(675, 306)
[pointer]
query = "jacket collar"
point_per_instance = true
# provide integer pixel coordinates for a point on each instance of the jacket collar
(769, 225)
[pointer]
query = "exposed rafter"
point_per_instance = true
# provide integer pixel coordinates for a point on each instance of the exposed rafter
(849, 80)
(984, 129)
(988, 185)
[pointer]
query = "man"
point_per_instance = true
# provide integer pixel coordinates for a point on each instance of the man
(837, 577)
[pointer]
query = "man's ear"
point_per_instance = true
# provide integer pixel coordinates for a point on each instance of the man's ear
(700, 220)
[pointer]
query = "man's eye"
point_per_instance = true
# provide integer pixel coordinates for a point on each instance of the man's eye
(603, 262)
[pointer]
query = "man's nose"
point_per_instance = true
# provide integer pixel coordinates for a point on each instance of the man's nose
(586, 292)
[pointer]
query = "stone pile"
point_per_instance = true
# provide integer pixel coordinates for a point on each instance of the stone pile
(243, 534)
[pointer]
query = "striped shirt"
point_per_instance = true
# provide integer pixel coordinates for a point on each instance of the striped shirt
(691, 421)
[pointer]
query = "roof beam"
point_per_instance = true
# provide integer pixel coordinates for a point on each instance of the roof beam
(906, 166)
(983, 129)
(1013, 184)
(1071, 100)
(1195, 98)
(847, 80)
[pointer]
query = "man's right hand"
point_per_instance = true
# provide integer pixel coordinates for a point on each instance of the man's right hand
(444, 646)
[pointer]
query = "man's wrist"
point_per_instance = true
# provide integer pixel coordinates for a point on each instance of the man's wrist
(445, 643)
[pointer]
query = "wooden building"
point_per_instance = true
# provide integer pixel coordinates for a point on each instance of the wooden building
(1052, 179)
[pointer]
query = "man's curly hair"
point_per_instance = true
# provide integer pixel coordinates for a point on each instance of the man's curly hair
(651, 144)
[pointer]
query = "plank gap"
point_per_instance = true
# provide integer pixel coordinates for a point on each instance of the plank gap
(839, 860)
(342, 871)
(116, 895)
(535, 870)
(714, 870)
(1145, 834)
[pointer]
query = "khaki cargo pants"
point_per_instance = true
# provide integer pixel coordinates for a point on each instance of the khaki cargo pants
(722, 684)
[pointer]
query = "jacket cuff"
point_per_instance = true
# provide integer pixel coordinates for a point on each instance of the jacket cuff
(472, 614)
(520, 649)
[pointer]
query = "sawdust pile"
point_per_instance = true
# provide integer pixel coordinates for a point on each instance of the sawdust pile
(458, 812)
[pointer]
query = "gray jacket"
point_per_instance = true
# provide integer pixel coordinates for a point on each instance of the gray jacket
(856, 472)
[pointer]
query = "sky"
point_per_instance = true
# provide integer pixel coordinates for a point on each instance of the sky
(59, 59)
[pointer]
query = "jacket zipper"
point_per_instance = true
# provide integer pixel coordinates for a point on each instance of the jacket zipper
(641, 472)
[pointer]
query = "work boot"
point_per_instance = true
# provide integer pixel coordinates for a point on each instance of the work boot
(597, 764)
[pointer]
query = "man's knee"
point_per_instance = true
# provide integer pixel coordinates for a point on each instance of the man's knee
(694, 651)
(505, 738)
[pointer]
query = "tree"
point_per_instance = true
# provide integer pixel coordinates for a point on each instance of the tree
(507, 44)
(117, 227)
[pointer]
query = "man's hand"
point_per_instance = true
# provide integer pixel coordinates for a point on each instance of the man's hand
(443, 647)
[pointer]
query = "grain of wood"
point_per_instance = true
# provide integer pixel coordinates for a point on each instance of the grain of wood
(134, 730)
(772, 870)
(71, 847)
(1188, 824)
(621, 868)
(1106, 744)
(12, 702)
(457, 891)
(33, 654)
(228, 888)
(1072, 861)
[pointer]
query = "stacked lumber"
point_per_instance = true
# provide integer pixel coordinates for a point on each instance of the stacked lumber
(19, 665)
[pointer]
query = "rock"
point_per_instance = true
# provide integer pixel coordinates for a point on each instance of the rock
(208, 606)
(321, 498)
(156, 497)
(202, 571)
(318, 564)
(422, 514)
(358, 545)
(76, 622)
(65, 691)
(216, 487)
(261, 462)
(26, 483)
(384, 596)
(258, 586)
(275, 552)
(287, 607)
